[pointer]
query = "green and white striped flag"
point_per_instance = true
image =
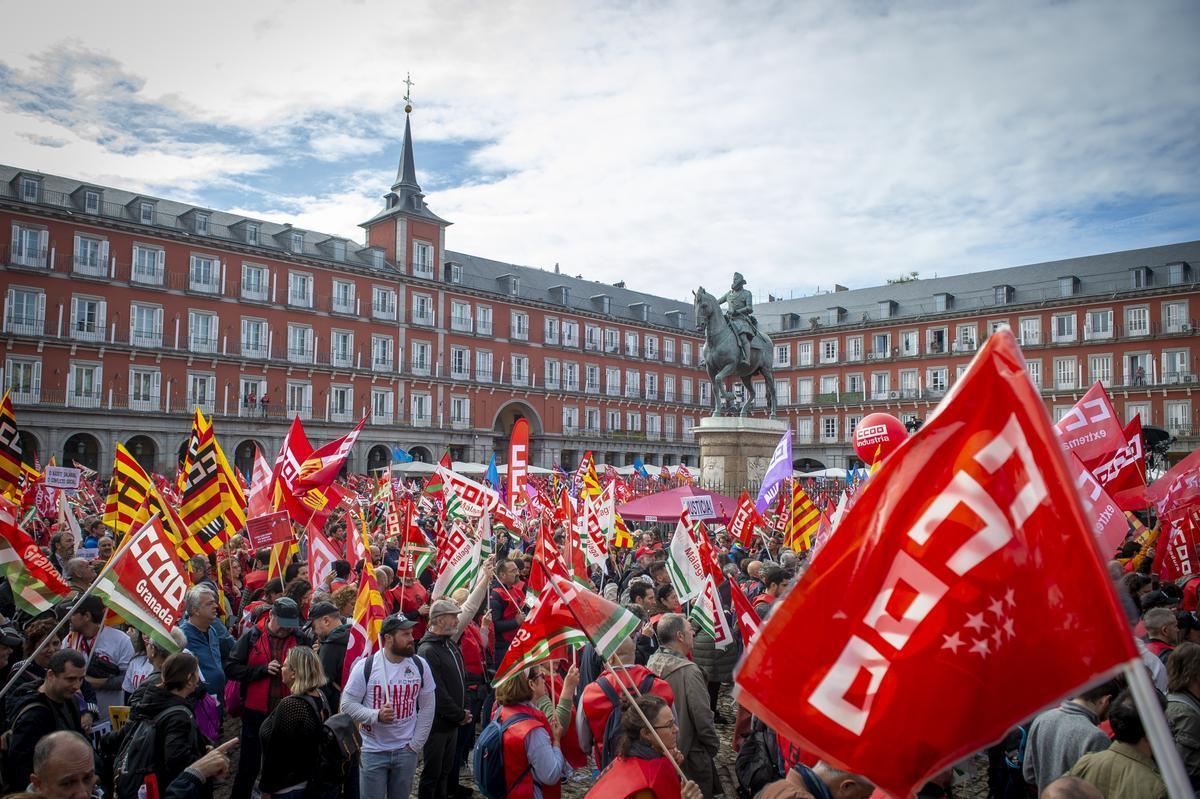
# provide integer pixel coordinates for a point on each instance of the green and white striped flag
(143, 583)
(31, 594)
(461, 561)
(683, 564)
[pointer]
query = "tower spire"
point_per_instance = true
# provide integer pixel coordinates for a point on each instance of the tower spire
(406, 175)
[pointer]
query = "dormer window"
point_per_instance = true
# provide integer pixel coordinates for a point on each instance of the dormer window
(31, 189)
(251, 233)
(640, 311)
(1177, 273)
(837, 315)
(514, 286)
(201, 224)
(377, 258)
(339, 250)
(943, 302)
(146, 213)
(1003, 295)
(1068, 286)
(887, 309)
(297, 242)
(603, 303)
(1142, 277)
(91, 202)
(454, 273)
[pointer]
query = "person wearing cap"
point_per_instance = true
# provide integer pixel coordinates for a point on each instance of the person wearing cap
(439, 648)
(257, 661)
(331, 635)
(393, 694)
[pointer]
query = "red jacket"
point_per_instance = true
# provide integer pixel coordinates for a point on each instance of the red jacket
(258, 691)
(415, 596)
(471, 647)
(515, 760)
(597, 707)
(626, 776)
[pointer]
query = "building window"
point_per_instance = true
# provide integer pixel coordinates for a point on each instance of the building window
(633, 421)
(829, 428)
(854, 348)
(23, 378)
(204, 274)
(591, 420)
(254, 282)
(908, 343)
(26, 312)
(87, 318)
(343, 297)
(1100, 368)
(201, 224)
(550, 330)
(460, 316)
(570, 333)
(455, 273)
(460, 411)
(202, 391)
(881, 385)
(783, 354)
(1142, 278)
(881, 345)
(91, 202)
(252, 234)
(935, 340)
(519, 374)
(612, 381)
(422, 260)
(1137, 321)
(339, 250)
(964, 338)
(570, 419)
(483, 320)
(705, 392)
(383, 303)
(612, 421)
(460, 363)
(570, 375)
(1034, 368)
(685, 353)
(421, 409)
(145, 325)
(1175, 366)
(421, 352)
(804, 353)
(1175, 317)
(783, 392)
(483, 366)
(299, 399)
(423, 310)
(591, 338)
(937, 379)
(651, 348)
(631, 343)
(297, 242)
(341, 348)
(550, 373)
(341, 403)
(91, 256)
(1098, 325)
(144, 386)
(1179, 417)
(1067, 286)
(668, 350)
(84, 385)
(29, 246)
(633, 380)
(1065, 374)
(146, 213)
(519, 323)
(300, 344)
(651, 386)
(300, 289)
(254, 338)
(382, 402)
(149, 265)
(829, 351)
(592, 379)
(31, 189)
(1031, 331)
(685, 390)
(611, 337)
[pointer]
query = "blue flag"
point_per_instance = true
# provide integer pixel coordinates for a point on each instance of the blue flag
(492, 476)
(778, 470)
(400, 456)
(640, 467)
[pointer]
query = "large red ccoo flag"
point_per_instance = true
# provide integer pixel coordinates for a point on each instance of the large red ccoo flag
(960, 593)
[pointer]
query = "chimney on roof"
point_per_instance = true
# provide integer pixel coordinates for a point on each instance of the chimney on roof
(556, 267)
(837, 288)
(620, 284)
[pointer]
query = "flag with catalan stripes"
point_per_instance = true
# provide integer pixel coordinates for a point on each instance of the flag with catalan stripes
(586, 476)
(128, 489)
(233, 492)
(10, 450)
(804, 522)
(202, 495)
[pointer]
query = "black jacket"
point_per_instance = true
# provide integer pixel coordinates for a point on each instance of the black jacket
(450, 677)
(35, 716)
(333, 655)
(178, 741)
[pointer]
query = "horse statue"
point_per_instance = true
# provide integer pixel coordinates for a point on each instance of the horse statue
(723, 358)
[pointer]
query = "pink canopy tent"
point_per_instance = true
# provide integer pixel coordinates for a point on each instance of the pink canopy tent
(666, 506)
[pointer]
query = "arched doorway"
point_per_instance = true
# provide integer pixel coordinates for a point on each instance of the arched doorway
(29, 447)
(378, 458)
(243, 457)
(807, 465)
(182, 451)
(502, 427)
(144, 451)
(420, 454)
(84, 448)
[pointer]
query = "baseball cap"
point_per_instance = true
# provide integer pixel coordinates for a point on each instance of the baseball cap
(11, 638)
(1156, 599)
(320, 609)
(444, 607)
(285, 612)
(393, 623)
(1187, 622)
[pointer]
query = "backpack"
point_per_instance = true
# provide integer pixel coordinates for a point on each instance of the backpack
(340, 743)
(612, 727)
(758, 760)
(11, 780)
(138, 755)
(488, 765)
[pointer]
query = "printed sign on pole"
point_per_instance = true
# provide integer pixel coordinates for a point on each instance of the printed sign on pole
(700, 507)
(269, 529)
(63, 477)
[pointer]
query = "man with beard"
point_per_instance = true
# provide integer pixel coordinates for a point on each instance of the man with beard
(392, 695)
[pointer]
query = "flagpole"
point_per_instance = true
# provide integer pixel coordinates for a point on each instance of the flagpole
(67, 617)
(1162, 744)
(623, 687)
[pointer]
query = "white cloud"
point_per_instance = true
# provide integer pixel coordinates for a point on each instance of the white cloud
(670, 144)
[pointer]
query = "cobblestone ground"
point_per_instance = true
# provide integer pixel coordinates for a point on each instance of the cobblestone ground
(969, 786)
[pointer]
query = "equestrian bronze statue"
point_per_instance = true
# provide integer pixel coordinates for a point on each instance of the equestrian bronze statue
(734, 346)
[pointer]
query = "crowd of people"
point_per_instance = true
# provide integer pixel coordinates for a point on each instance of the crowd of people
(259, 699)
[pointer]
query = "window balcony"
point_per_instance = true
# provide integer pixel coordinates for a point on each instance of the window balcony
(483, 375)
(300, 355)
(24, 325)
(146, 338)
(425, 319)
(341, 415)
(422, 269)
(380, 364)
(87, 331)
(422, 421)
(460, 324)
(300, 300)
(32, 257)
(205, 344)
(343, 360)
(420, 368)
(26, 394)
(381, 417)
(205, 284)
(460, 424)
(383, 312)
(88, 265)
(342, 305)
(83, 398)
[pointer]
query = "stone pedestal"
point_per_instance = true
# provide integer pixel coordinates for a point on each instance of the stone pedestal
(735, 451)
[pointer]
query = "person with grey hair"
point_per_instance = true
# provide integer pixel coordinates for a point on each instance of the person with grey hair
(207, 638)
(1162, 631)
(822, 780)
(80, 574)
(698, 739)
(64, 767)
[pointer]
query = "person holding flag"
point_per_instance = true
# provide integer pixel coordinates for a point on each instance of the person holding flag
(440, 649)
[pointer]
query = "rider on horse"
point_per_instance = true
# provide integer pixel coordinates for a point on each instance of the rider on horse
(741, 316)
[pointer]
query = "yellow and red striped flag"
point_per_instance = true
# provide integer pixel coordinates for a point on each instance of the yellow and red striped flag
(10, 449)
(804, 522)
(129, 488)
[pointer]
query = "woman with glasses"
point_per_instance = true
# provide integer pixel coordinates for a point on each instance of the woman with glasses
(642, 769)
(534, 766)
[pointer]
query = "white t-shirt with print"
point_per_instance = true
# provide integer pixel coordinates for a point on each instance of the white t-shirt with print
(401, 686)
(139, 669)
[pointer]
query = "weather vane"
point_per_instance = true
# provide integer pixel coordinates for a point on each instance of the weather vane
(408, 84)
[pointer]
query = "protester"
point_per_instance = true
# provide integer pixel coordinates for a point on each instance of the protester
(1126, 768)
(291, 734)
(107, 649)
(438, 647)
(257, 662)
(394, 696)
(644, 766)
(1162, 630)
(1183, 706)
(207, 638)
(331, 635)
(505, 609)
(48, 709)
(79, 574)
(1059, 737)
(33, 672)
(168, 706)
(698, 739)
(533, 760)
(64, 767)
(822, 781)
(603, 697)
(1071, 788)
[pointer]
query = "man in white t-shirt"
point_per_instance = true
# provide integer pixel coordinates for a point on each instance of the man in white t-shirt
(391, 693)
(107, 649)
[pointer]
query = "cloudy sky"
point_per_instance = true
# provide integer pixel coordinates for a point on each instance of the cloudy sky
(663, 143)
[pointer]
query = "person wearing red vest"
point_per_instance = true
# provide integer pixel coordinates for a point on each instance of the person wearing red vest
(534, 765)
(256, 661)
(643, 767)
(774, 580)
(506, 613)
(596, 703)
(412, 599)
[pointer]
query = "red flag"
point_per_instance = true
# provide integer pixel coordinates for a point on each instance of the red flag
(748, 621)
(292, 455)
(1106, 520)
(745, 519)
(258, 499)
(321, 555)
(18, 549)
(518, 462)
(1177, 556)
(322, 466)
(959, 594)
(1091, 431)
(1133, 498)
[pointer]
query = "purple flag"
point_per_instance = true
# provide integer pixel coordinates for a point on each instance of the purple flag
(779, 469)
